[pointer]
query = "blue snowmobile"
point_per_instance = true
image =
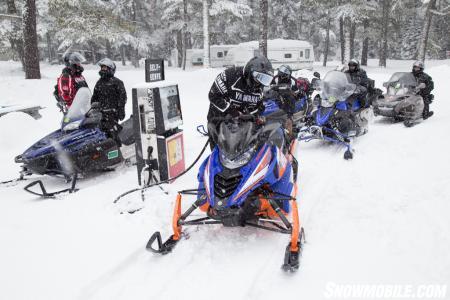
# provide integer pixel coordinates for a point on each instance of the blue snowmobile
(247, 180)
(335, 119)
(79, 147)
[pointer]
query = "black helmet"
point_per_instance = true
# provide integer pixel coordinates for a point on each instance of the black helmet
(418, 67)
(110, 65)
(284, 72)
(258, 71)
(353, 65)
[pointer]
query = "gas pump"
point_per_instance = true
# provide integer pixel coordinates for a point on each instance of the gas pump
(157, 119)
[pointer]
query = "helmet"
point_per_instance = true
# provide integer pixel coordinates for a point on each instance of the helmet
(284, 72)
(303, 84)
(74, 60)
(418, 67)
(353, 65)
(110, 67)
(258, 72)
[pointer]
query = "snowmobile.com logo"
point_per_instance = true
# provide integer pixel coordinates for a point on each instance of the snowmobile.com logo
(385, 291)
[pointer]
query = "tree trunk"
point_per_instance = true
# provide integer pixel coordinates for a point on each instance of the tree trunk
(49, 47)
(205, 34)
(327, 40)
(365, 47)
(94, 53)
(31, 57)
(263, 29)
(342, 39)
(425, 31)
(384, 33)
(185, 34)
(179, 47)
(122, 55)
(352, 38)
(108, 49)
(347, 51)
(15, 39)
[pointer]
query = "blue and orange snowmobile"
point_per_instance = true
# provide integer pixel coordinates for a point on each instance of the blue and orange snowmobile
(249, 179)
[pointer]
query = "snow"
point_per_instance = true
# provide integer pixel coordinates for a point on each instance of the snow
(380, 218)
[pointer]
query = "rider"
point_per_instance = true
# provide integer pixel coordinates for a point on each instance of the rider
(111, 96)
(422, 77)
(359, 77)
(70, 81)
(239, 90)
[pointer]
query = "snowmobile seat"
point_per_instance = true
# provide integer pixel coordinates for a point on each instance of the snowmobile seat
(126, 135)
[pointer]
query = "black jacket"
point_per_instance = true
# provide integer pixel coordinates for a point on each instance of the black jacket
(422, 77)
(359, 77)
(230, 91)
(110, 93)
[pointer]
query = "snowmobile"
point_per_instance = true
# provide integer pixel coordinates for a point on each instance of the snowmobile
(335, 120)
(247, 180)
(401, 101)
(79, 147)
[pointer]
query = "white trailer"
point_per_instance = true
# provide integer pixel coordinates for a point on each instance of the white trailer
(194, 57)
(295, 53)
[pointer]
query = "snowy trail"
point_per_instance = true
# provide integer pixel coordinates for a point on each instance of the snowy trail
(381, 218)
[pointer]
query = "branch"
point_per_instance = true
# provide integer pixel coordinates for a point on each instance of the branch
(441, 12)
(10, 16)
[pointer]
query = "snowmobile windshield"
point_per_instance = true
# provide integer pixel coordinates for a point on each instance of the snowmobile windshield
(236, 138)
(336, 86)
(80, 106)
(401, 83)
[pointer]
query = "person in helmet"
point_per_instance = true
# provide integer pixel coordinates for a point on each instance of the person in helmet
(110, 96)
(359, 77)
(422, 77)
(70, 80)
(239, 90)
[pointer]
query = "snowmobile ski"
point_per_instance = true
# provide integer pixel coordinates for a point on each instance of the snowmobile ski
(45, 194)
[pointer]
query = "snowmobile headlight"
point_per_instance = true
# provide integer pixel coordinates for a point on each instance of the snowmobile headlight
(238, 161)
(72, 126)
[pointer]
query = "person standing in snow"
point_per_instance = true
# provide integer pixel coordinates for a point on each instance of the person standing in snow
(70, 80)
(110, 98)
(425, 93)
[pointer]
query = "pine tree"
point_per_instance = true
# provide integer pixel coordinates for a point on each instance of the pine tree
(31, 52)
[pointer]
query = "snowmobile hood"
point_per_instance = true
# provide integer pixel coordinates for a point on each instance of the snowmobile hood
(64, 141)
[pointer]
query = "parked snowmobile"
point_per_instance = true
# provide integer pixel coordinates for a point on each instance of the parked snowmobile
(247, 180)
(334, 120)
(401, 100)
(79, 147)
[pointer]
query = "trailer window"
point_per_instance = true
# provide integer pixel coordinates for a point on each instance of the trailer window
(225, 53)
(219, 54)
(307, 53)
(287, 55)
(301, 54)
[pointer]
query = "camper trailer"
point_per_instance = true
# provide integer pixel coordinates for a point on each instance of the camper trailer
(194, 57)
(297, 54)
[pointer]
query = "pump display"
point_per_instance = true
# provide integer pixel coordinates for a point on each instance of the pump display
(156, 120)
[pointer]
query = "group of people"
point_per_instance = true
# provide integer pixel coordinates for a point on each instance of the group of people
(239, 90)
(235, 91)
(109, 94)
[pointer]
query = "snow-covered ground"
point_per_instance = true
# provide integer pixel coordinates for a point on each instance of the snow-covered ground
(382, 218)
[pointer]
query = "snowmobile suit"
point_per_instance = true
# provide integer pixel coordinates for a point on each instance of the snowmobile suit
(68, 83)
(110, 94)
(359, 77)
(230, 94)
(422, 77)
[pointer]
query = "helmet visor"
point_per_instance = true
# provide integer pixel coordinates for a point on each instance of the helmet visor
(284, 70)
(262, 78)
